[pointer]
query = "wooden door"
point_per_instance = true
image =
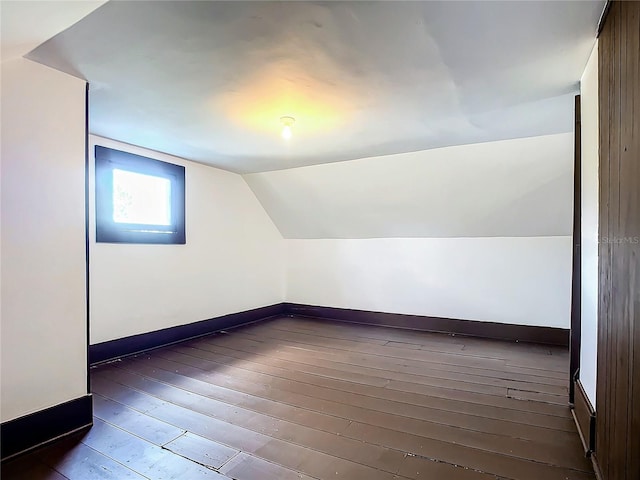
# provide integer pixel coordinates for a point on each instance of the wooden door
(617, 451)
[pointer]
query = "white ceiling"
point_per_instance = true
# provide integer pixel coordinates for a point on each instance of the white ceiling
(208, 81)
(26, 24)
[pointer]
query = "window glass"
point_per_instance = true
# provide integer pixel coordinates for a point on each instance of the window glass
(142, 199)
(138, 199)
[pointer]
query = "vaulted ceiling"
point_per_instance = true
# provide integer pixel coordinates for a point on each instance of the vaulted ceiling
(209, 81)
(26, 24)
(511, 188)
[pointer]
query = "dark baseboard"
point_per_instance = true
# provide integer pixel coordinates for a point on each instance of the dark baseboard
(500, 331)
(102, 352)
(113, 349)
(585, 418)
(36, 429)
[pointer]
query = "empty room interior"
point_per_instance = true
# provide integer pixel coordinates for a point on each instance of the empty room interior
(357, 240)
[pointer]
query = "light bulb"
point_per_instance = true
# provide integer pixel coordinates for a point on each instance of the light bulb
(287, 122)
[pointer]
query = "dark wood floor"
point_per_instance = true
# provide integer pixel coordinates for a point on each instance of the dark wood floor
(298, 398)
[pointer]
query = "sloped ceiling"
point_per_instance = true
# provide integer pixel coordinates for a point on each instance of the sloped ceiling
(26, 24)
(208, 81)
(512, 188)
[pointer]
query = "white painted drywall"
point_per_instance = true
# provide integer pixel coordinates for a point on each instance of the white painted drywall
(43, 322)
(361, 78)
(25, 25)
(512, 188)
(478, 232)
(589, 241)
(232, 261)
(524, 281)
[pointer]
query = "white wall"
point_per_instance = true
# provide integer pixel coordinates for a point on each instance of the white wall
(478, 232)
(43, 323)
(524, 281)
(235, 258)
(232, 261)
(589, 241)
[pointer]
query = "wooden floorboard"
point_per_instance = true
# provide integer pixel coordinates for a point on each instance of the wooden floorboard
(340, 403)
(341, 391)
(400, 370)
(298, 398)
(430, 362)
(315, 376)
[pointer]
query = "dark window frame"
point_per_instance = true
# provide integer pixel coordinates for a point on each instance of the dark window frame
(108, 231)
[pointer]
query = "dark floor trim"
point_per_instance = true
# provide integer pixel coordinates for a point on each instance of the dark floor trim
(501, 331)
(30, 431)
(105, 351)
(585, 417)
(102, 352)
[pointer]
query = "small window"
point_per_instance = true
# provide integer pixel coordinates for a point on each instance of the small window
(138, 199)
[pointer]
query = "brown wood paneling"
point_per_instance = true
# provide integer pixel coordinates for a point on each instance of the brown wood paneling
(618, 391)
(630, 220)
(584, 416)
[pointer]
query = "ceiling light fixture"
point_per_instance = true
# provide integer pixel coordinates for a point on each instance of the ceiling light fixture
(287, 123)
